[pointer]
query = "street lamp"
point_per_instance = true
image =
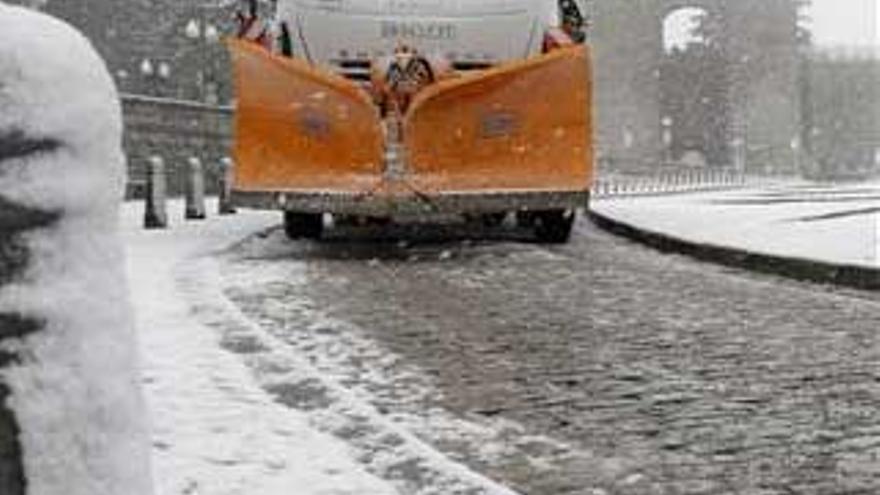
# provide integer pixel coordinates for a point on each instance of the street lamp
(204, 34)
(211, 34)
(146, 68)
(193, 29)
(164, 71)
(667, 122)
(155, 73)
(796, 147)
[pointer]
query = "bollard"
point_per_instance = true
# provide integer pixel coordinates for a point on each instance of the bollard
(156, 211)
(224, 187)
(72, 418)
(195, 190)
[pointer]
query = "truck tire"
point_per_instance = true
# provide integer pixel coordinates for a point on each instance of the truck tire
(554, 226)
(303, 225)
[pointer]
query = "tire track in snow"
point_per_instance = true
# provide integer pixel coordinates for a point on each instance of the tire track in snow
(384, 447)
(274, 282)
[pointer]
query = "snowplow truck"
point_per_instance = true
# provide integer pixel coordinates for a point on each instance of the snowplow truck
(398, 109)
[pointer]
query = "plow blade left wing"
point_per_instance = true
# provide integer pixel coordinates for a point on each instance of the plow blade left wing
(302, 129)
(525, 126)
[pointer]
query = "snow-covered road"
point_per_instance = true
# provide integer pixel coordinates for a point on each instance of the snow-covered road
(597, 367)
(230, 404)
(440, 364)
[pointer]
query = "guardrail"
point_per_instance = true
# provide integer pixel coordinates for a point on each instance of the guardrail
(671, 182)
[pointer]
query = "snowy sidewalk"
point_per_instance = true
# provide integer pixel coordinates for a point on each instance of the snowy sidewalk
(827, 223)
(222, 392)
(215, 430)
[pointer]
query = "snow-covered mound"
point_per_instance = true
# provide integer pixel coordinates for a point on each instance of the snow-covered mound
(75, 389)
(55, 86)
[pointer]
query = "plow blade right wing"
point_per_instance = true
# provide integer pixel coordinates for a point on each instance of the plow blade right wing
(301, 129)
(521, 127)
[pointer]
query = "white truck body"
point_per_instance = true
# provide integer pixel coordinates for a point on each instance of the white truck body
(345, 34)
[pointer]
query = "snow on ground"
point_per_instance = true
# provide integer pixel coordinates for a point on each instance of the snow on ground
(240, 408)
(215, 431)
(398, 401)
(832, 223)
(221, 421)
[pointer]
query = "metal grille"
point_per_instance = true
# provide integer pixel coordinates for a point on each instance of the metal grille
(356, 70)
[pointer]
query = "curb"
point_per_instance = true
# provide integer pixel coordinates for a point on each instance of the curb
(802, 269)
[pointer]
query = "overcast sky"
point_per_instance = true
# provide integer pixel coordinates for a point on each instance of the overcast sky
(846, 22)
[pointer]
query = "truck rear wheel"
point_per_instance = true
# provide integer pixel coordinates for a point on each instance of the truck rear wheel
(303, 225)
(554, 226)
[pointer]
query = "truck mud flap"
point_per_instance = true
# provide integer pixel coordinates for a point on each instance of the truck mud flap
(523, 126)
(302, 128)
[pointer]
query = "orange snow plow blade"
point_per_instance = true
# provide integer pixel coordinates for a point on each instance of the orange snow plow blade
(301, 129)
(525, 126)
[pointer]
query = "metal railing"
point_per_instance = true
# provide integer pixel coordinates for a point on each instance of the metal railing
(671, 182)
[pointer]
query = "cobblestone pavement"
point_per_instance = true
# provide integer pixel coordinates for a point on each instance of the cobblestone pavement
(629, 372)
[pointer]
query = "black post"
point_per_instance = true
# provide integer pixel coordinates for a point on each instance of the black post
(156, 212)
(224, 186)
(195, 190)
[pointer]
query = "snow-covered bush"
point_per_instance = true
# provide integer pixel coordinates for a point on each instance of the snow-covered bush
(67, 350)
